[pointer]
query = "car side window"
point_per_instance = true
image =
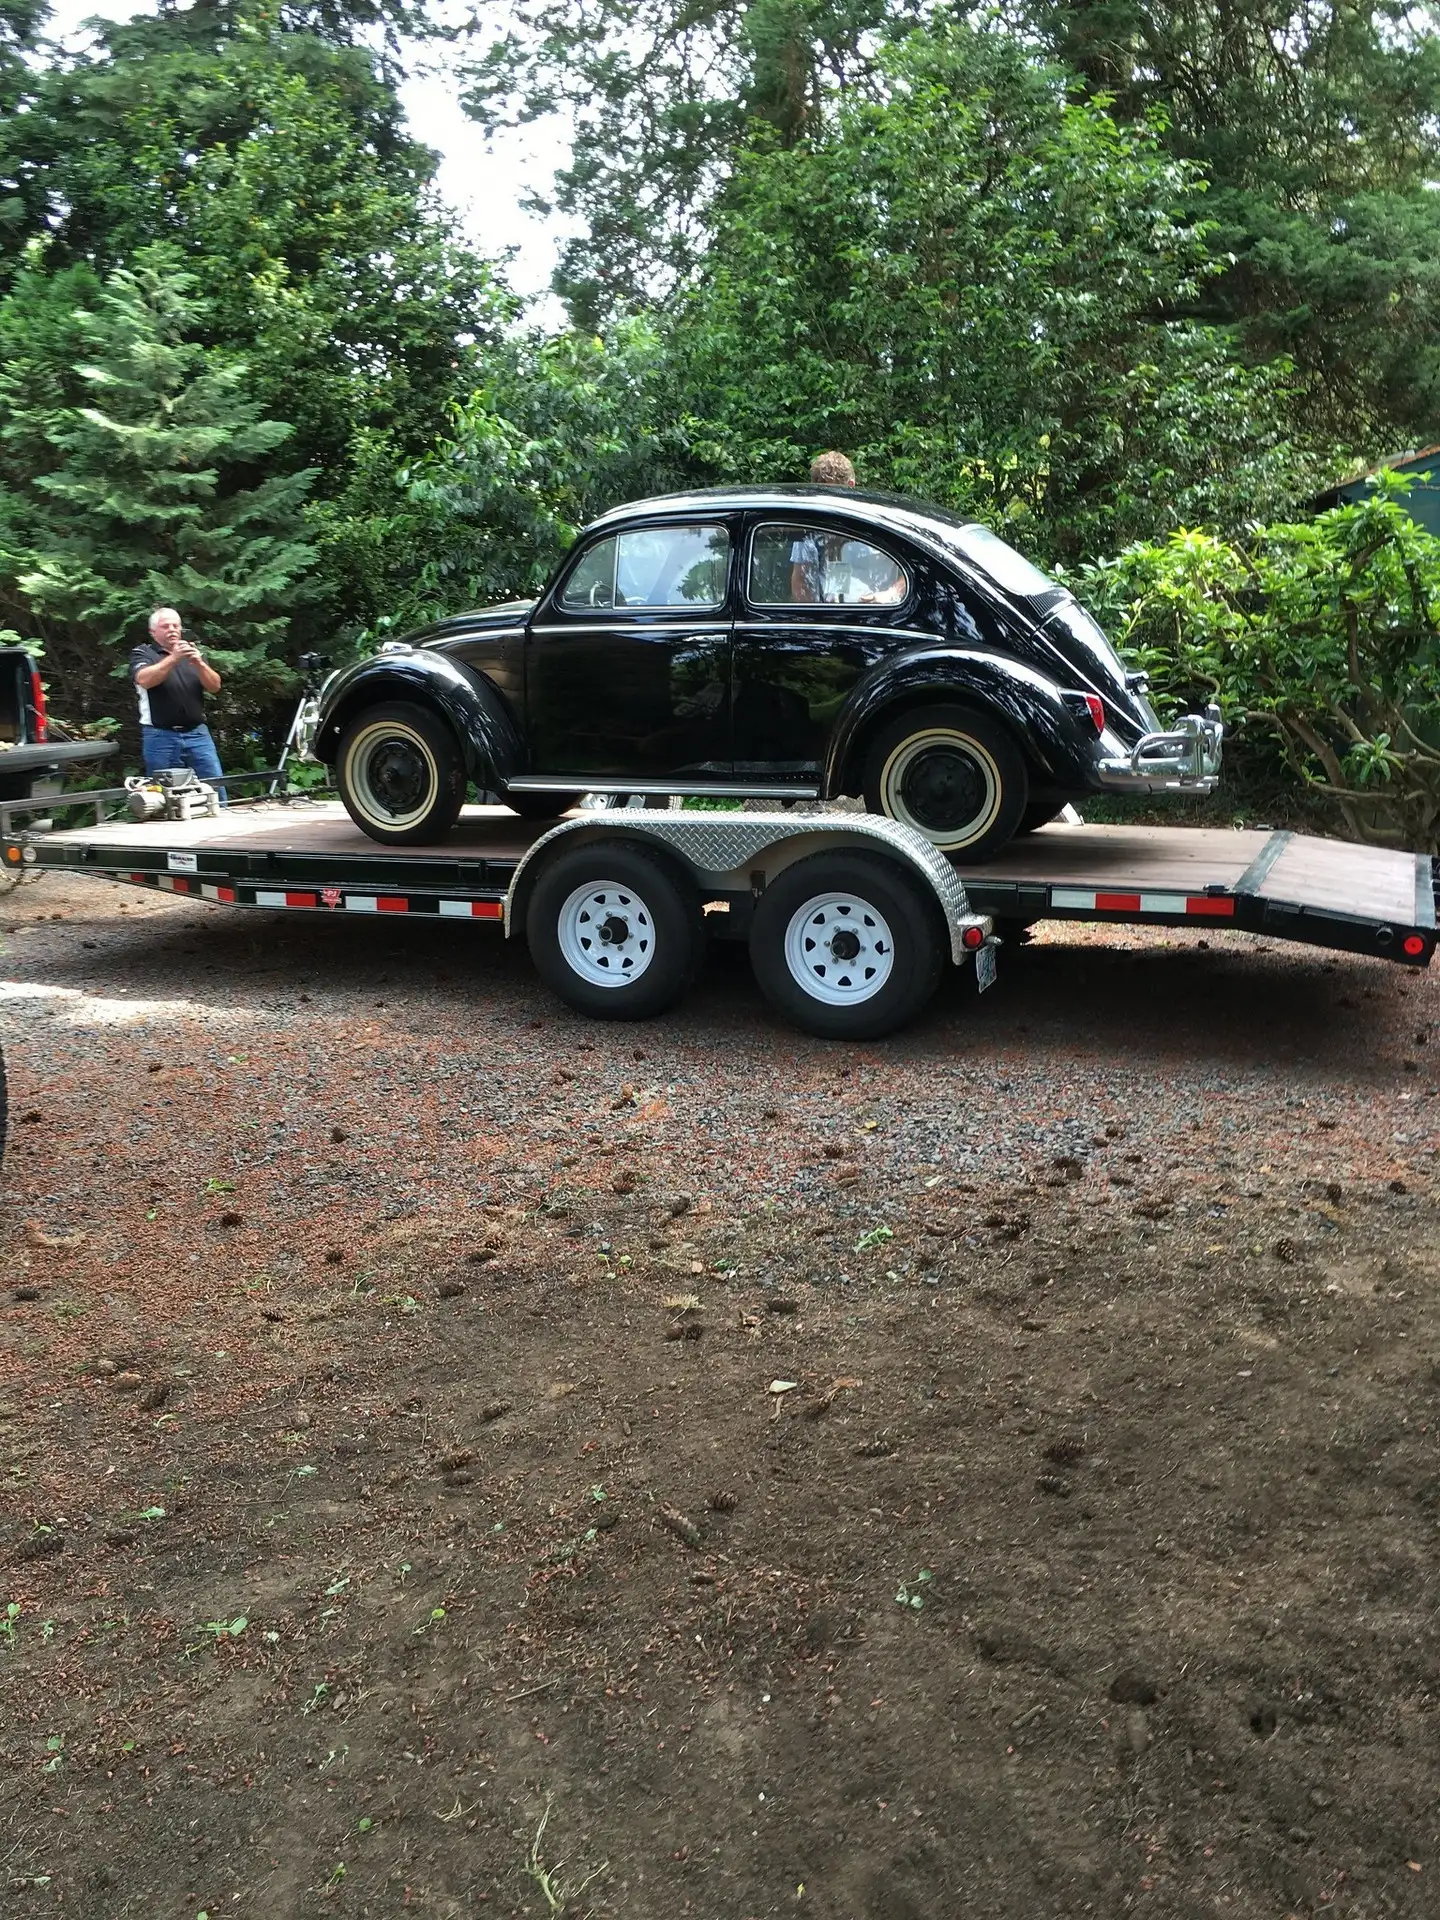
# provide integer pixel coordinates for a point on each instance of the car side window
(792, 564)
(684, 566)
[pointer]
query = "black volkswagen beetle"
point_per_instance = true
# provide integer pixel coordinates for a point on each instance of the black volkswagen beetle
(778, 643)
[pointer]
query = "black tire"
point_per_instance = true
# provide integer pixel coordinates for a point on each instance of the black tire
(401, 773)
(541, 806)
(1038, 816)
(879, 905)
(952, 773)
(614, 931)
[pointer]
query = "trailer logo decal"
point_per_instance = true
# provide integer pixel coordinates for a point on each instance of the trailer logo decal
(331, 896)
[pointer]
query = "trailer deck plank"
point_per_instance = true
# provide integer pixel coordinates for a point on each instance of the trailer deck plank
(1169, 859)
(1334, 876)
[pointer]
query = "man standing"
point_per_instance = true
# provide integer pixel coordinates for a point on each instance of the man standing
(172, 677)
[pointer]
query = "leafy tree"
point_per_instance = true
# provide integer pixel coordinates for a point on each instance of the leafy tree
(662, 92)
(998, 327)
(151, 490)
(1317, 124)
(558, 430)
(1320, 639)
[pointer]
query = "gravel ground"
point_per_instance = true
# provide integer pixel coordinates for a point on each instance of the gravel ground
(357, 1293)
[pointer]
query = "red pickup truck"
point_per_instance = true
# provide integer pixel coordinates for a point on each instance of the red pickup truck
(30, 761)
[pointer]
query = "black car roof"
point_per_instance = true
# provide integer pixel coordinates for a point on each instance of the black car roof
(890, 509)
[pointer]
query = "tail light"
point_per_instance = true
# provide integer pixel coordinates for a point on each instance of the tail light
(1087, 706)
(37, 702)
(973, 937)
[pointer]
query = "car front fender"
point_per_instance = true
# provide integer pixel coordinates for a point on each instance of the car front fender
(482, 722)
(1019, 696)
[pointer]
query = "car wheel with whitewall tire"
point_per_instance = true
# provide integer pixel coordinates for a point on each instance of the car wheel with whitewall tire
(847, 946)
(401, 774)
(614, 931)
(953, 774)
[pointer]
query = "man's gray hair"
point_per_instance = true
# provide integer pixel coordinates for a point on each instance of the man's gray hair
(150, 623)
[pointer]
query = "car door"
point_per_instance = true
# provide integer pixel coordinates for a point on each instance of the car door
(627, 661)
(820, 602)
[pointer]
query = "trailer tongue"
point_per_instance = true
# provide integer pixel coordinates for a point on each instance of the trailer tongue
(850, 919)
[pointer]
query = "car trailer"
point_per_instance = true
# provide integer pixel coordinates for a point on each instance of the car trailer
(850, 918)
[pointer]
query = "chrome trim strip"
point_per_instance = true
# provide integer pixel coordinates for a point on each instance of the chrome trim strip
(652, 615)
(862, 627)
(716, 789)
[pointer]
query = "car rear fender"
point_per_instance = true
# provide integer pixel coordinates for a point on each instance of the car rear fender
(473, 707)
(1019, 696)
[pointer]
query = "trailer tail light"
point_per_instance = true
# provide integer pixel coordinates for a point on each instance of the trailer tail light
(1414, 945)
(37, 701)
(973, 937)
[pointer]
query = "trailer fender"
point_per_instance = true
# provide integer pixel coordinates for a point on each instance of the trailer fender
(730, 854)
(1025, 700)
(467, 700)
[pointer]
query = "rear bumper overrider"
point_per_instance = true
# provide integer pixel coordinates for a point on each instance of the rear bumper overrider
(1184, 758)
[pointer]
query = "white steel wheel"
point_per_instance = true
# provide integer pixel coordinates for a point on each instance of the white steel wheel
(840, 949)
(606, 933)
(954, 775)
(614, 928)
(848, 944)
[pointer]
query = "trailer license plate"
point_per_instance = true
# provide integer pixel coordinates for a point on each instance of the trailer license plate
(984, 967)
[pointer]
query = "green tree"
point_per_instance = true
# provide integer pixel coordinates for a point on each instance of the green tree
(151, 490)
(661, 93)
(1317, 125)
(998, 325)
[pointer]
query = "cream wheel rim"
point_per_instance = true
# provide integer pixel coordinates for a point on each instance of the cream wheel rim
(945, 784)
(392, 775)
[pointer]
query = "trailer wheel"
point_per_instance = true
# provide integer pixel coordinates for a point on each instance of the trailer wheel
(401, 774)
(614, 931)
(847, 946)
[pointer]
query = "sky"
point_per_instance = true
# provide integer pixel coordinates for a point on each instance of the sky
(483, 182)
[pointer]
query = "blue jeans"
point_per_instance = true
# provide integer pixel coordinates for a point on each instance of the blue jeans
(182, 747)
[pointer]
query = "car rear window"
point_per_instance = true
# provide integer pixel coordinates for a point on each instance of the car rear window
(792, 564)
(1010, 570)
(684, 566)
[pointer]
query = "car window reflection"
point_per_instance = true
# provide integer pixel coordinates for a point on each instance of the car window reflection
(792, 564)
(683, 566)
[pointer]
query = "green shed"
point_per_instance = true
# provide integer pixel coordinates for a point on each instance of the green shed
(1423, 499)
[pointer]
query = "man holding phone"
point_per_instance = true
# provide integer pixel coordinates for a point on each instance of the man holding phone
(172, 678)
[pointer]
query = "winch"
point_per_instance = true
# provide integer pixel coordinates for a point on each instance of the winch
(175, 793)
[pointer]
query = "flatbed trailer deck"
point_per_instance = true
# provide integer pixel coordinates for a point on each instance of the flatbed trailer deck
(306, 856)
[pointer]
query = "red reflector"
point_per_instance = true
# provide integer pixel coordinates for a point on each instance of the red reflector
(1413, 945)
(300, 900)
(1097, 711)
(1117, 903)
(392, 903)
(973, 937)
(37, 700)
(487, 910)
(226, 895)
(1210, 904)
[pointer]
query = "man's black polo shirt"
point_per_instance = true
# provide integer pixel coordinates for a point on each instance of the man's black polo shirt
(179, 700)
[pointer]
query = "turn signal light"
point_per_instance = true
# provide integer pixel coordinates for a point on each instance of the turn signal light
(973, 937)
(12, 854)
(1414, 945)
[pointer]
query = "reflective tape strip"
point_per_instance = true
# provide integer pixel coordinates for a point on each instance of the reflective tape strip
(169, 883)
(361, 903)
(472, 910)
(392, 903)
(225, 895)
(263, 899)
(1177, 906)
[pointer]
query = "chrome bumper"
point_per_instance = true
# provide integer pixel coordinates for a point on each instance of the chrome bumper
(1186, 759)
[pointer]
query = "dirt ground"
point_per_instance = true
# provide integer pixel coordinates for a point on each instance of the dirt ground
(460, 1460)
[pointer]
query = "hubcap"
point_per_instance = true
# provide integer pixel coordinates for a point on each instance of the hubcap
(945, 784)
(606, 933)
(839, 949)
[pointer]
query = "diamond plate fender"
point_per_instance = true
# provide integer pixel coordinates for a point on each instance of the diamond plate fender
(723, 850)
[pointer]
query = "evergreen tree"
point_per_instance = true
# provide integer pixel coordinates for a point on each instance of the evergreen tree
(151, 490)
